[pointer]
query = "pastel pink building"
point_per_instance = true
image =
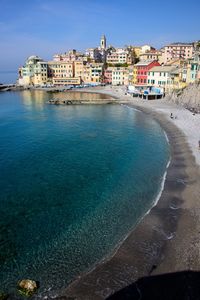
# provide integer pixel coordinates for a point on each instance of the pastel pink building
(178, 51)
(108, 75)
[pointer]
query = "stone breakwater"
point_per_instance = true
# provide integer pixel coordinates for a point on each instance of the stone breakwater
(77, 102)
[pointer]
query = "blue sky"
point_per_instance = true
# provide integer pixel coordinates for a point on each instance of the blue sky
(45, 27)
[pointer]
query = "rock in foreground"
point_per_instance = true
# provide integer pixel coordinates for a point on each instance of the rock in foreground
(27, 287)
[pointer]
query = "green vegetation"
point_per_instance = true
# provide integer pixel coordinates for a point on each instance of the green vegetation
(25, 292)
(118, 65)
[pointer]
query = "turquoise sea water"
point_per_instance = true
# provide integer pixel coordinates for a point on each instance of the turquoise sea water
(74, 180)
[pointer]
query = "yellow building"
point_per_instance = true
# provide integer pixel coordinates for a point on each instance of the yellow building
(79, 69)
(177, 81)
(61, 69)
(86, 74)
(152, 55)
(92, 73)
(96, 72)
(134, 75)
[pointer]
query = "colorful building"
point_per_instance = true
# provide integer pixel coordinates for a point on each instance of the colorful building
(92, 73)
(134, 80)
(130, 74)
(86, 74)
(142, 69)
(119, 76)
(119, 56)
(74, 67)
(162, 76)
(191, 69)
(96, 72)
(194, 69)
(65, 72)
(152, 55)
(176, 77)
(178, 50)
(108, 75)
(70, 56)
(79, 69)
(61, 69)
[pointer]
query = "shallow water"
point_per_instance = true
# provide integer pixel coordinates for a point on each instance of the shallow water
(74, 181)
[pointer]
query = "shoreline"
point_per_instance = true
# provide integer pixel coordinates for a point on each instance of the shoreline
(157, 244)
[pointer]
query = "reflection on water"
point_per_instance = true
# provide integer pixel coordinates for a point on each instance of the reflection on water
(39, 98)
(34, 98)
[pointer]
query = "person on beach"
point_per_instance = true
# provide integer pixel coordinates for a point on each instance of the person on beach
(171, 116)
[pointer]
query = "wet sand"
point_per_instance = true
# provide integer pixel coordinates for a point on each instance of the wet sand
(166, 240)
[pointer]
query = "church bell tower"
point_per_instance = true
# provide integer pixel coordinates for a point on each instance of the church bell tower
(103, 42)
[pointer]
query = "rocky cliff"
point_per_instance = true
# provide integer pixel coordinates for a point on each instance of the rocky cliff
(188, 97)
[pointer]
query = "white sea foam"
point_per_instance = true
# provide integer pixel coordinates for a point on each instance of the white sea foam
(165, 174)
(166, 136)
(162, 183)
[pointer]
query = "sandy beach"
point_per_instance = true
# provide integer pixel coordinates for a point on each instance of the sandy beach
(167, 239)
